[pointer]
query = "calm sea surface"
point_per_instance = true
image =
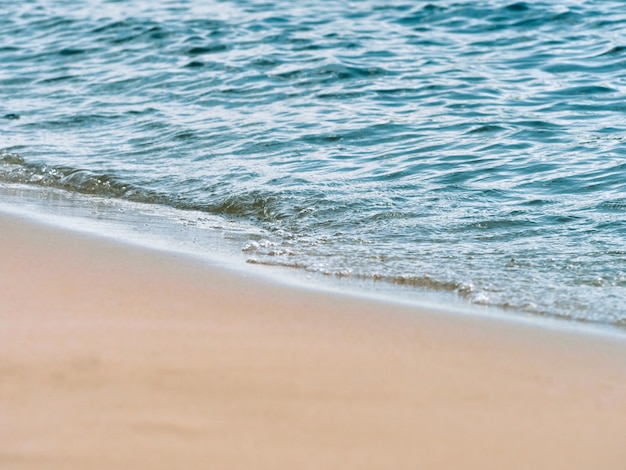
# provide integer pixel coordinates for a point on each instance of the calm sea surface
(470, 147)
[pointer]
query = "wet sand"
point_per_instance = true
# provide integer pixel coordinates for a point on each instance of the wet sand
(117, 356)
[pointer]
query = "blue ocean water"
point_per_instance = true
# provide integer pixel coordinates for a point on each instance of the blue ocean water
(472, 147)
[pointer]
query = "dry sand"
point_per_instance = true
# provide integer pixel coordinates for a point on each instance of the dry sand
(119, 357)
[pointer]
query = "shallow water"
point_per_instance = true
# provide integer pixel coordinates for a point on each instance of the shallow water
(474, 147)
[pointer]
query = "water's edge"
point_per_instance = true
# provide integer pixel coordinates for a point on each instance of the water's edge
(217, 242)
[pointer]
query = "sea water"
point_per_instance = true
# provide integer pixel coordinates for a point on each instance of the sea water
(474, 148)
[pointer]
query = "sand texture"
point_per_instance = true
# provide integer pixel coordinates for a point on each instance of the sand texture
(119, 357)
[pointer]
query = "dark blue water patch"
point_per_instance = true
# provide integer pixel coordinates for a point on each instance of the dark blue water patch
(125, 33)
(207, 49)
(613, 205)
(195, 64)
(487, 128)
(614, 51)
(584, 67)
(60, 78)
(517, 7)
(428, 13)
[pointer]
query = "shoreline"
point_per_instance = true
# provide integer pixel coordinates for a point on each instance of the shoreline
(115, 355)
(214, 241)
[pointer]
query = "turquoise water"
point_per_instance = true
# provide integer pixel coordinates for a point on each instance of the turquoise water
(469, 147)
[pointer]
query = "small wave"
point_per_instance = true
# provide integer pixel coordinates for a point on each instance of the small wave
(589, 90)
(14, 169)
(428, 12)
(518, 7)
(330, 72)
(262, 205)
(614, 205)
(208, 49)
(486, 128)
(614, 51)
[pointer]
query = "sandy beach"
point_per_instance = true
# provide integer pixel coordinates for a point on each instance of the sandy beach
(116, 356)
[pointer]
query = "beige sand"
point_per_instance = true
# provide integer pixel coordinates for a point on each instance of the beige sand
(117, 357)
